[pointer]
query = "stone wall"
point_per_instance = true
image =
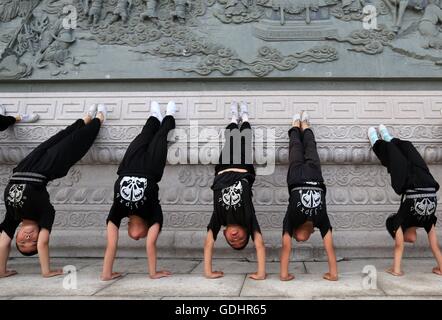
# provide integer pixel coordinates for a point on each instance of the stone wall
(359, 196)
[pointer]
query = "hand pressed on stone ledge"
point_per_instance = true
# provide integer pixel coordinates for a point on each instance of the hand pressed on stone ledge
(113, 276)
(160, 274)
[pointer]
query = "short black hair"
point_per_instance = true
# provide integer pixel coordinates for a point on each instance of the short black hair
(27, 254)
(246, 242)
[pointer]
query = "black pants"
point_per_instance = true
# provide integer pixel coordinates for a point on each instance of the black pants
(238, 149)
(405, 165)
(54, 157)
(305, 165)
(147, 154)
(6, 122)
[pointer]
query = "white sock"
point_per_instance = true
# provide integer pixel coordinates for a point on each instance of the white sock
(155, 111)
(171, 108)
(234, 111)
(29, 118)
(101, 108)
(244, 112)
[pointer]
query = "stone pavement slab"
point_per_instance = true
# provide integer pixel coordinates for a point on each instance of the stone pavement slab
(35, 286)
(245, 267)
(32, 265)
(84, 298)
(411, 284)
(307, 287)
(189, 283)
(139, 266)
(179, 285)
(356, 266)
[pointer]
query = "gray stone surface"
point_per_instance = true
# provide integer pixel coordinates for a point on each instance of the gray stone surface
(307, 287)
(139, 266)
(241, 267)
(34, 285)
(184, 285)
(215, 39)
(418, 283)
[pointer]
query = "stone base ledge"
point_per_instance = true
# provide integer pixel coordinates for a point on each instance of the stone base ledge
(189, 244)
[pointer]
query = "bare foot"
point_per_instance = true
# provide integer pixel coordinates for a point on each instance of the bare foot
(289, 277)
(100, 117)
(393, 273)
(304, 126)
(328, 276)
(437, 271)
(87, 119)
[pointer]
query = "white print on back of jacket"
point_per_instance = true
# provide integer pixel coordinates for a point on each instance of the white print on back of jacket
(425, 207)
(311, 202)
(132, 189)
(15, 195)
(232, 196)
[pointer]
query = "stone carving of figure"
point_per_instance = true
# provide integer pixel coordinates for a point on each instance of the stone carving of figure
(430, 25)
(55, 44)
(398, 7)
(10, 9)
(237, 7)
(151, 10)
(122, 10)
(353, 5)
(92, 8)
(295, 7)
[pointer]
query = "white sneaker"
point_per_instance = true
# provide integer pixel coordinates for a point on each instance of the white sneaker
(171, 108)
(297, 117)
(92, 112)
(244, 111)
(155, 111)
(103, 110)
(234, 110)
(29, 118)
(373, 135)
(2, 110)
(385, 134)
(305, 117)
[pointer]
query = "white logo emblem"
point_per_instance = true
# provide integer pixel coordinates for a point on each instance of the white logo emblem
(232, 195)
(310, 198)
(15, 195)
(425, 207)
(132, 188)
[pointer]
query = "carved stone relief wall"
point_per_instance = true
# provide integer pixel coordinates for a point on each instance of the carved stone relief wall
(151, 39)
(359, 197)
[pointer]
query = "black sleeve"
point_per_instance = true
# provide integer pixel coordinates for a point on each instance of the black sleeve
(214, 224)
(250, 209)
(325, 225)
(430, 224)
(115, 216)
(9, 225)
(47, 218)
(287, 226)
(157, 216)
